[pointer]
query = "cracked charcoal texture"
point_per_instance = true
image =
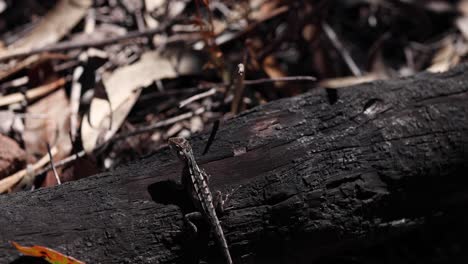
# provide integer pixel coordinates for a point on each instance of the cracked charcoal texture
(379, 176)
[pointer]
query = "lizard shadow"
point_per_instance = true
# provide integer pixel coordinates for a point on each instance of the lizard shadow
(194, 245)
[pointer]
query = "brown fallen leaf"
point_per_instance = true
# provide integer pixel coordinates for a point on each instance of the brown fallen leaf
(151, 5)
(52, 126)
(12, 157)
(462, 7)
(446, 57)
(272, 69)
(11, 122)
(462, 25)
(122, 88)
(56, 24)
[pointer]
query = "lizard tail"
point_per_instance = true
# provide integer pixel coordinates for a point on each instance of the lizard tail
(222, 240)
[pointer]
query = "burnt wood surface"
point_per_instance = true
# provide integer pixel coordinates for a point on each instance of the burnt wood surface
(379, 174)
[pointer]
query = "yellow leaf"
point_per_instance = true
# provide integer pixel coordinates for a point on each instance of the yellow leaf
(48, 254)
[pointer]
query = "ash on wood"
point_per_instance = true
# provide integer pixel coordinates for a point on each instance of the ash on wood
(378, 176)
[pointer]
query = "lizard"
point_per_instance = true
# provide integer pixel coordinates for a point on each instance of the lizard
(195, 180)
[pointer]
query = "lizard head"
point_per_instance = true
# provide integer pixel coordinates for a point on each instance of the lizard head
(181, 147)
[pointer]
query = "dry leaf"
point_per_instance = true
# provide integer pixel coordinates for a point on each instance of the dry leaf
(52, 126)
(445, 58)
(10, 122)
(48, 122)
(3, 6)
(176, 8)
(272, 69)
(262, 9)
(151, 5)
(462, 24)
(462, 7)
(58, 22)
(120, 87)
(48, 254)
(12, 157)
(196, 124)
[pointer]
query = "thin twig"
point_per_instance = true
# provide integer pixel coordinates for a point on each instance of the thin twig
(162, 123)
(8, 182)
(213, 133)
(71, 45)
(33, 93)
(239, 89)
(14, 83)
(51, 159)
(335, 83)
(208, 85)
(341, 49)
(75, 101)
(63, 162)
(196, 97)
(176, 92)
(281, 79)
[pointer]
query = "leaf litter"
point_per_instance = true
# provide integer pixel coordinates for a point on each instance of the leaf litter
(103, 82)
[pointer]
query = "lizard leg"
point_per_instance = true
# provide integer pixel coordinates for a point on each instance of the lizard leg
(192, 216)
(220, 202)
